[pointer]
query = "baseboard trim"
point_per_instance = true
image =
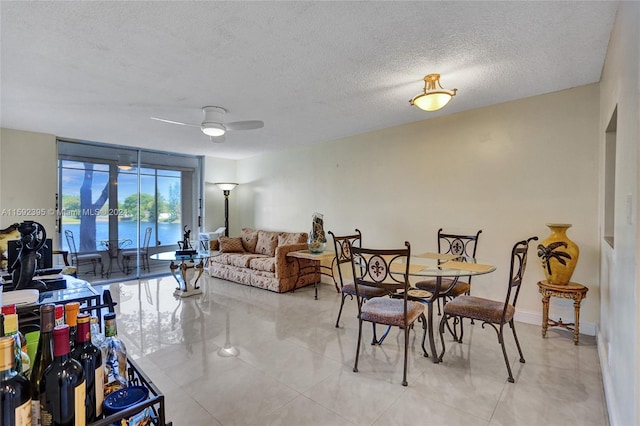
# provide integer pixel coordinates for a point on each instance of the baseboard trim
(607, 380)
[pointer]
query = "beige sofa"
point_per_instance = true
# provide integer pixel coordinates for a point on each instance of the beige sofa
(259, 258)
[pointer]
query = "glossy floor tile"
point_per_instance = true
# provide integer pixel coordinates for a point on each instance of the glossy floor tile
(238, 355)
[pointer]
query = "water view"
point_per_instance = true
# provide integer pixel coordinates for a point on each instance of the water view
(168, 232)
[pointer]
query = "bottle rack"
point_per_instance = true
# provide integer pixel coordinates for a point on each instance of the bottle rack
(155, 401)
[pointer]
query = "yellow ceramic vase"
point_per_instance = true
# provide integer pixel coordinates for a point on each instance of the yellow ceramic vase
(558, 254)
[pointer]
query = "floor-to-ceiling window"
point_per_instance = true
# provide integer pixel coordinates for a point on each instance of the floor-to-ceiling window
(116, 199)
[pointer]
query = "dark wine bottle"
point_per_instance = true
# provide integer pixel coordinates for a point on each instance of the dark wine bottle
(71, 310)
(15, 400)
(90, 357)
(44, 357)
(62, 388)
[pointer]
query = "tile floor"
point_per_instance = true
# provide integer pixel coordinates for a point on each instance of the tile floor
(293, 367)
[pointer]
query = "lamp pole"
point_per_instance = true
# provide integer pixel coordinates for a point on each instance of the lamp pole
(226, 190)
(226, 212)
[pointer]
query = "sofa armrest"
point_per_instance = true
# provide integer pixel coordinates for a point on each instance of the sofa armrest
(288, 267)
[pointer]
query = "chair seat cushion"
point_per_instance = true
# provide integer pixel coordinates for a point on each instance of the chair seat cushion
(383, 310)
(430, 285)
(479, 308)
(366, 292)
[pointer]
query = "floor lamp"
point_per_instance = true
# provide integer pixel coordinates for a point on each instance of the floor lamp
(226, 189)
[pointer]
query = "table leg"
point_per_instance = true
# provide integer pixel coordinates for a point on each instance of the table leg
(432, 343)
(545, 313)
(186, 289)
(576, 328)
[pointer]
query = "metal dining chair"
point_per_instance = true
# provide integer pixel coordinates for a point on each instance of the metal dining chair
(342, 246)
(492, 312)
(455, 244)
(386, 269)
(143, 252)
(78, 259)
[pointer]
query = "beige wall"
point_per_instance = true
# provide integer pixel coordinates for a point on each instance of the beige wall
(28, 179)
(506, 169)
(618, 342)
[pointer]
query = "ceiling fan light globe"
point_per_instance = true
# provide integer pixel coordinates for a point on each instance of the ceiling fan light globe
(213, 129)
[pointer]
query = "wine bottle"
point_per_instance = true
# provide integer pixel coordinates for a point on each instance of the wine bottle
(90, 357)
(43, 358)
(59, 318)
(63, 388)
(115, 356)
(97, 336)
(71, 310)
(23, 363)
(15, 400)
(11, 309)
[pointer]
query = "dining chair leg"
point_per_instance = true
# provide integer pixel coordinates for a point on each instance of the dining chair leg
(444, 319)
(504, 353)
(344, 296)
(423, 319)
(355, 367)
(515, 336)
(406, 351)
(379, 341)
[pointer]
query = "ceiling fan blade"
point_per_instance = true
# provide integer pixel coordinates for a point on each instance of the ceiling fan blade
(174, 122)
(244, 125)
(217, 139)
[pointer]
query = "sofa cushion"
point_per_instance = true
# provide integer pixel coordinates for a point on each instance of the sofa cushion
(267, 264)
(231, 245)
(249, 239)
(267, 243)
(288, 238)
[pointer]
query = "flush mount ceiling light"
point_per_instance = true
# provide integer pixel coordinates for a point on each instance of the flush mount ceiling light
(212, 123)
(434, 96)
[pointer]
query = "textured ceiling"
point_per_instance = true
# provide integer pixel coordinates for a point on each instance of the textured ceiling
(312, 71)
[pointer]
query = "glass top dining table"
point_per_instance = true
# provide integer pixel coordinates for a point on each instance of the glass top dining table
(445, 265)
(438, 266)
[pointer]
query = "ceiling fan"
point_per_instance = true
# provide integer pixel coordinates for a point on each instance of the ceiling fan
(214, 125)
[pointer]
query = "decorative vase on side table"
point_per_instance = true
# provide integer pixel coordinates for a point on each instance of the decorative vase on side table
(317, 240)
(558, 254)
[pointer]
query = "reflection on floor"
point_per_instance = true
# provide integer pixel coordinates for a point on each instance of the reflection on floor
(238, 355)
(117, 273)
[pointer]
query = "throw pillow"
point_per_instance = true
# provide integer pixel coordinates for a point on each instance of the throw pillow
(231, 245)
(288, 238)
(249, 239)
(267, 243)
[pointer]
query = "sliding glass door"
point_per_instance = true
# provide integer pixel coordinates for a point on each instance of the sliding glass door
(125, 204)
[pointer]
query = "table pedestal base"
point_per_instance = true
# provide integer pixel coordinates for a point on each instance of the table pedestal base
(185, 288)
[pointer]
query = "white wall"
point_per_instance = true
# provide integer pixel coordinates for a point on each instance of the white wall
(506, 169)
(618, 342)
(28, 179)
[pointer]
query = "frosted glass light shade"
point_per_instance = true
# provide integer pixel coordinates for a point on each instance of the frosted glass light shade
(433, 96)
(226, 186)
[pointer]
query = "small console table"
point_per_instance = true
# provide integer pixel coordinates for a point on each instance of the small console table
(317, 268)
(573, 291)
(185, 263)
